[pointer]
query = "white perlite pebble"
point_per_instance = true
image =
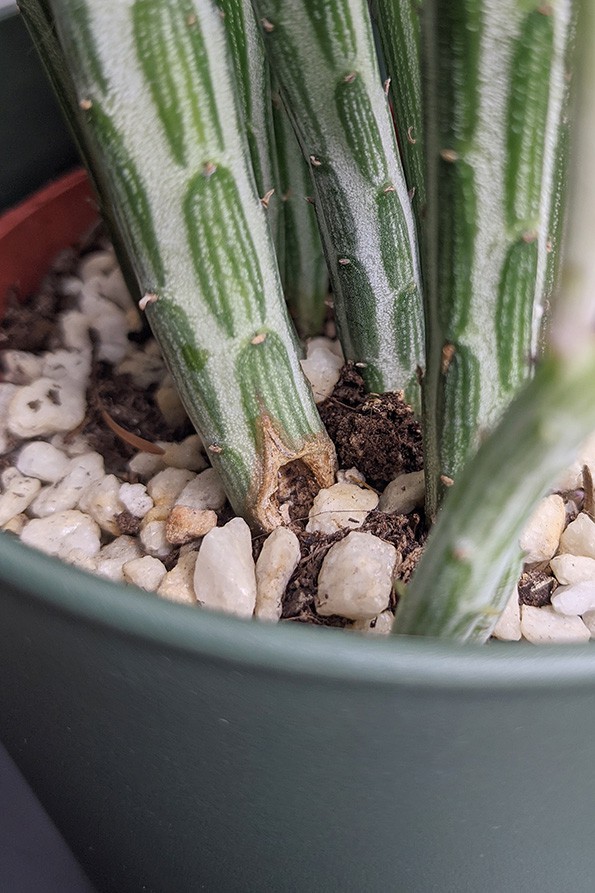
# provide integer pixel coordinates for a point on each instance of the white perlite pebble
(68, 366)
(135, 499)
(165, 487)
(62, 534)
(321, 342)
(19, 493)
(74, 326)
(379, 626)
(114, 288)
(322, 368)
(71, 444)
(355, 579)
(178, 583)
(187, 454)
(570, 569)
(39, 459)
(46, 407)
(205, 491)
(340, 506)
(350, 476)
(546, 626)
(576, 599)
(153, 536)
(508, 627)
(403, 494)
(579, 537)
(98, 263)
(7, 392)
(66, 493)
(276, 563)
(145, 465)
(170, 405)
(102, 501)
(224, 575)
(114, 556)
(540, 538)
(146, 572)
(20, 366)
(588, 619)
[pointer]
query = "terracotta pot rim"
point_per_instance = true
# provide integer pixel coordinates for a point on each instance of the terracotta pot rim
(287, 648)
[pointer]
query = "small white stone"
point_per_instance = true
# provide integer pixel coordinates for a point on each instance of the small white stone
(588, 619)
(570, 478)
(276, 563)
(46, 407)
(508, 627)
(165, 487)
(379, 626)
(540, 538)
(114, 556)
(178, 583)
(63, 532)
(350, 476)
(71, 286)
(576, 599)
(145, 465)
(546, 626)
(340, 506)
(16, 524)
(321, 342)
(170, 405)
(146, 572)
(74, 327)
(39, 459)
(7, 392)
(114, 288)
(145, 367)
(112, 331)
(78, 558)
(187, 454)
(185, 524)
(101, 500)
(20, 367)
(68, 365)
(355, 579)
(205, 491)
(322, 368)
(570, 569)
(154, 539)
(19, 493)
(135, 499)
(403, 494)
(96, 264)
(224, 575)
(71, 444)
(579, 537)
(65, 494)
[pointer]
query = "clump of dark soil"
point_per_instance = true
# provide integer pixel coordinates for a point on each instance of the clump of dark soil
(377, 434)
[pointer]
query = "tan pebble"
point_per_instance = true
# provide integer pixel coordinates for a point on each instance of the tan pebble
(178, 583)
(146, 572)
(185, 524)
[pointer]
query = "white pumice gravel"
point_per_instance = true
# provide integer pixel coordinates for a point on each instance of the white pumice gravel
(403, 494)
(55, 493)
(542, 533)
(224, 574)
(276, 563)
(355, 579)
(340, 506)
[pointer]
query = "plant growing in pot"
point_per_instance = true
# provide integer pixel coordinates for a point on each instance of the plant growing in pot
(362, 198)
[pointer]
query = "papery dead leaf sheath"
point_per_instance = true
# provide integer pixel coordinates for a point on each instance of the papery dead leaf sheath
(496, 96)
(155, 85)
(323, 55)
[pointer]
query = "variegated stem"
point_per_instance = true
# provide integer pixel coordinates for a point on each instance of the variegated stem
(461, 583)
(39, 22)
(399, 27)
(323, 55)
(305, 274)
(154, 81)
(253, 85)
(496, 87)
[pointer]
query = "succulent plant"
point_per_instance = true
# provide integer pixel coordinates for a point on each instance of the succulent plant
(431, 147)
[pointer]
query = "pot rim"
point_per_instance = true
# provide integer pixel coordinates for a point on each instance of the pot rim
(288, 648)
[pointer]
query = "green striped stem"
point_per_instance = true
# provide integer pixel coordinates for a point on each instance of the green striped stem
(253, 85)
(305, 274)
(495, 75)
(399, 27)
(154, 81)
(462, 581)
(323, 55)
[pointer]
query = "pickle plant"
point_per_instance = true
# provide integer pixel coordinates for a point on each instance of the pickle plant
(242, 152)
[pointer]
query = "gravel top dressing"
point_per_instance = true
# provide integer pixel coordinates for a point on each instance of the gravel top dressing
(101, 468)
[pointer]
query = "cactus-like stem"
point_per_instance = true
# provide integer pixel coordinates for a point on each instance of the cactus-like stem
(305, 274)
(459, 587)
(322, 53)
(154, 82)
(496, 89)
(253, 85)
(399, 26)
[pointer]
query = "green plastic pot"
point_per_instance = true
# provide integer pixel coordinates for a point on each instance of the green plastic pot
(178, 750)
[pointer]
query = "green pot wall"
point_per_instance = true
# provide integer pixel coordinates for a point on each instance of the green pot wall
(179, 751)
